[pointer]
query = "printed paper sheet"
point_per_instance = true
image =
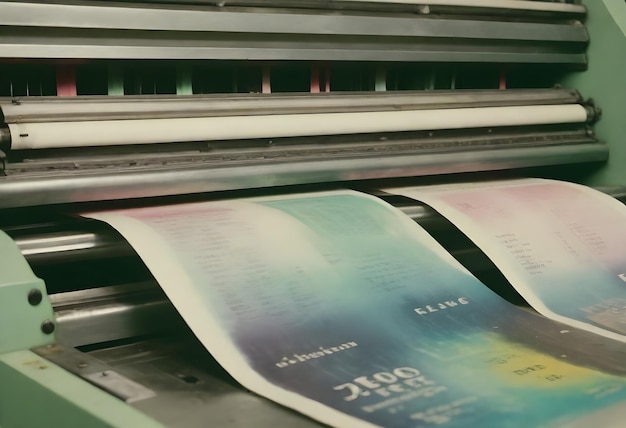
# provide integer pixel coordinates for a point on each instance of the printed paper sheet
(561, 245)
(339, 306)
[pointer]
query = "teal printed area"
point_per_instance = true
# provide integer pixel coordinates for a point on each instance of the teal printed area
(341, 300)
(591, 295)
(399, 301)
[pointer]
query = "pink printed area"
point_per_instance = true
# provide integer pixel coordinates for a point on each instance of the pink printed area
(547, 191)
(162, 213)
(480, 206)
(591, 227)
(553, 198)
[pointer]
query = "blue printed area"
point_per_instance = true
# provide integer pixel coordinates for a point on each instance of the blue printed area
(381, 327)
(583, 293)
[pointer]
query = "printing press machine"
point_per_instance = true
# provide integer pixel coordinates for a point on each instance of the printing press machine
(108, 104)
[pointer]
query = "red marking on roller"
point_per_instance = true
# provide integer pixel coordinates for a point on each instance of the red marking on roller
(267, 83)
(66, 80)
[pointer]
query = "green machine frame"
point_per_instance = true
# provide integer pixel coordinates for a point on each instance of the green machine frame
(33, 391)
(605, 81)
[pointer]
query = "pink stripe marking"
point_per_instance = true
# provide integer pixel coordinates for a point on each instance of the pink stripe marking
(315, 79)
(66, 80)
(502, 85)
(327, 88)
(267, 83)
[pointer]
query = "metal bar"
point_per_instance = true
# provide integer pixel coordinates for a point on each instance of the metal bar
(520, 5)
(423, 6)
(93, 48)
(199, 20)
(51, 109)
(123, 184)
(111, 313)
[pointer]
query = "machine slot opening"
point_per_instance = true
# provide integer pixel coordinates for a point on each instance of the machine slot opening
(91, 79)
(27, 79)
(37, 78)
(294, 77)
(150, 79)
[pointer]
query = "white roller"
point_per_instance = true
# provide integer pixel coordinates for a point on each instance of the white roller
(491, 4)
(145, 131)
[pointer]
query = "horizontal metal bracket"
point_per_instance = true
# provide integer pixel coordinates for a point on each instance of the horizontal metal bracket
(37, 30)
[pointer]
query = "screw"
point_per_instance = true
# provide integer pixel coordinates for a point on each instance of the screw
(34, 297)
(47, 327)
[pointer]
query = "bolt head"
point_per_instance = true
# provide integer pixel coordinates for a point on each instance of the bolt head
(35, 297)
(47, 327)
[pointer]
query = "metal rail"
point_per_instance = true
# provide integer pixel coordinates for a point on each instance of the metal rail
(86, 108)
(189, 178)
(551, 7)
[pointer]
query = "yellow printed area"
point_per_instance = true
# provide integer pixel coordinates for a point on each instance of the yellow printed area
(519, 365)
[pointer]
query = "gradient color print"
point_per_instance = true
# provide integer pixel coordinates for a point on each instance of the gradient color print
(339, 306)
(561, 245)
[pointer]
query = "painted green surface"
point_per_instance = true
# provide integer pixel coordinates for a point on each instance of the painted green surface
(20, 322)
(33, 391)
(36, 393)
(605, 82)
